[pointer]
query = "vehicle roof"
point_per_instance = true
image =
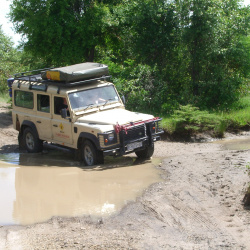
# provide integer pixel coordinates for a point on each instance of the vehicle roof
(56, 88)
(90, 75)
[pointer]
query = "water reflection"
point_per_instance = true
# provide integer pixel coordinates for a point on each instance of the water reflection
(47, 158)
(40, 188)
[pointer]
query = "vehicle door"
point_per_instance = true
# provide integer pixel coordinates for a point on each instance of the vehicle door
(43, 117)
(61, 127)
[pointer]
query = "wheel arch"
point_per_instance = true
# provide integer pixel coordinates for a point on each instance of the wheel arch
(30, 124)
(87, 136)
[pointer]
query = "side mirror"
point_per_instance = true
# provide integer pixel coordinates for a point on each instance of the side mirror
(64, 113)
(123, 100)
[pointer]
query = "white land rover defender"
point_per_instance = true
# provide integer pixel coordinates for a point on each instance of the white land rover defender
(75, 107)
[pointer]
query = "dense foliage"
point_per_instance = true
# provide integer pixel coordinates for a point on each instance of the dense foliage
(10, 59)
(13, 60)
(63, 31)
(193, 50)
(162, 54)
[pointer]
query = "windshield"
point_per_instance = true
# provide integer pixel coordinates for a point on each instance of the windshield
(93, 97)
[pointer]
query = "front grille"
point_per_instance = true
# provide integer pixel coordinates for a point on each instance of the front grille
(134, 133)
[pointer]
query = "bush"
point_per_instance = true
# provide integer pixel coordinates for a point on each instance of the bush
(190, 120)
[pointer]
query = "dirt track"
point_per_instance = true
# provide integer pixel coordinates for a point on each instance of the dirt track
(198, 205)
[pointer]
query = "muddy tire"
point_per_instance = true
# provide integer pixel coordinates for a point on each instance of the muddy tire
(90, 155)
(145, 153)
(31, 141)
(21, 141)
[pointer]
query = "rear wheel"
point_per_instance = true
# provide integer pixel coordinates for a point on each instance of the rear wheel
(31, 141)
(90, 155)
(145, 153)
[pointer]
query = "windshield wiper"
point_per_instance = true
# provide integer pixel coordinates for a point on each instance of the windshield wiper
(107, 101)
(89, 106)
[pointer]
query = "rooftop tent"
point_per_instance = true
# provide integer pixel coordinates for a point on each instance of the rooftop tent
(77, 72)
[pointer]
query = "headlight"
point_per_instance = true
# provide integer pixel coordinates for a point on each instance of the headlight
(108, 138)
(111, 137)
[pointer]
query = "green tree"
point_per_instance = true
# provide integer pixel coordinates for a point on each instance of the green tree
(9, 60)
(63, 31)
(195, 45)
(213, 32)
(150, 42)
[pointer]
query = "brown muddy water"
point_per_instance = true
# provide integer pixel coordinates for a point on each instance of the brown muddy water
(36, 187)
(235, 144)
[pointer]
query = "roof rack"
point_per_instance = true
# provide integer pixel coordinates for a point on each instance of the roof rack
(76, 74)
(43, 86)
(27, 76)
(70, 84)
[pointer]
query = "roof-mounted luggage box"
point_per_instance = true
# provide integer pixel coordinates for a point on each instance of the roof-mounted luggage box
(76, 73)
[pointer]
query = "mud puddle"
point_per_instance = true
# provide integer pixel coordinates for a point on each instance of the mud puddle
(36, 187)
(235, 144)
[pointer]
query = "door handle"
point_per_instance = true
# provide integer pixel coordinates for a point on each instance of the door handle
(38, 121)
(54, 125)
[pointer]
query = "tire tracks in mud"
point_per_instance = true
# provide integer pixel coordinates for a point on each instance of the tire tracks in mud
(204, 206)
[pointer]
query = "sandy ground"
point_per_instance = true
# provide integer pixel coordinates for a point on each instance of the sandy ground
(198, 205)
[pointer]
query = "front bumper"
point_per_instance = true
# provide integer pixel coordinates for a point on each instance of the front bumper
(119, 151)
(135, 137)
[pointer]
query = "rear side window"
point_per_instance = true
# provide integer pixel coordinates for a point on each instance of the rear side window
(24, 99)
(43, 103)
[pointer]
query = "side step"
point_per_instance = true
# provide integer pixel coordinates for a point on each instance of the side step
(58, 147)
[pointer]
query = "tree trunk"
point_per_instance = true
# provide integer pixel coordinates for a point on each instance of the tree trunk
(90, 54)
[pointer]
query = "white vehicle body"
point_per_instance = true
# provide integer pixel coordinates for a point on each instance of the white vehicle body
(95, 121)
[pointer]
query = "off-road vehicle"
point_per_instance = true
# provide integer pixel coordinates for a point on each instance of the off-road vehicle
(75, 107)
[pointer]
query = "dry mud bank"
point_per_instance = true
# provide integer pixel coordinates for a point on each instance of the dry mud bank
(197, 205)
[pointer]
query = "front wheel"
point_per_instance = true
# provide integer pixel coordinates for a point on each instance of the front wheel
(31, 141)
(90, 155)
(145, 153)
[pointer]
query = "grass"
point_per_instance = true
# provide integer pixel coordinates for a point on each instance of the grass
(240, 117)
(4, 97)
(189, 120)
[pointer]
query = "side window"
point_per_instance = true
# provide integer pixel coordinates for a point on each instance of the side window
(59, 104)
(24, 99)
(43, 103)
